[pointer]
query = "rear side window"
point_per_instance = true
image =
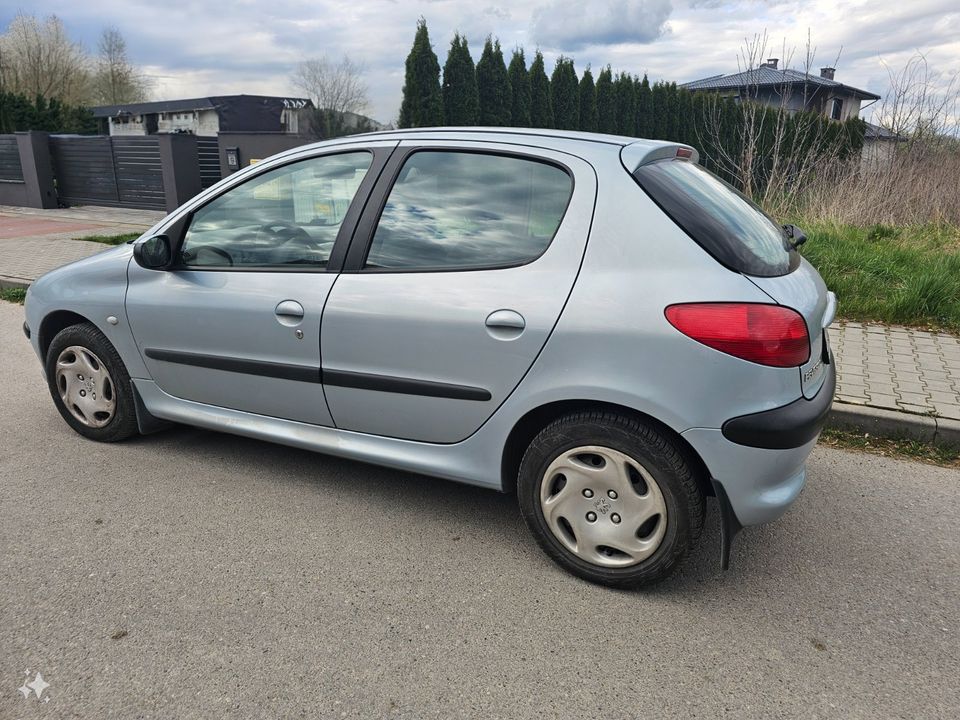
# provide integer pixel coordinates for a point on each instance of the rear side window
(460, 210)
(723, 221)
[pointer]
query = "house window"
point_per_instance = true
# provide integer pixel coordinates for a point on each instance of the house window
(836, 109)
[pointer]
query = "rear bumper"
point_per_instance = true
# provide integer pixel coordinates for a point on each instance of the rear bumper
(786, 427)
(759, 459)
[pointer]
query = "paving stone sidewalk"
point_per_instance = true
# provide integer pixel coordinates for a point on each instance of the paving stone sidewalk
(897, 368)
(34, 241)
(885, 368)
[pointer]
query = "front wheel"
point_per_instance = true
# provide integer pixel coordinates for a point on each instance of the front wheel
(610, 498)
(90, 385)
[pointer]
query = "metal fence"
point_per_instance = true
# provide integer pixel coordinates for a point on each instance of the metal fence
(10, 169)
(208, 155)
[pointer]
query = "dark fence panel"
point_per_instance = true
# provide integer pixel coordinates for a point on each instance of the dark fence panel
(10, 168)
(136, 162)
(208, 152)
(84, 170)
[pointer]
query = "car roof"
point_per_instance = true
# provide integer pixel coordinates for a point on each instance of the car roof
(638, 150)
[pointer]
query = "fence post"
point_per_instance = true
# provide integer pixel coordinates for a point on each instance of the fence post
(180, 164)
(37, 168)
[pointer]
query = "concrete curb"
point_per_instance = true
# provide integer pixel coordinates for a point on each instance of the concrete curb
(9, 283)
(894, 424)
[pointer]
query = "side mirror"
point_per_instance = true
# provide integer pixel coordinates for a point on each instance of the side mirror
(154, 253)
(795, 235)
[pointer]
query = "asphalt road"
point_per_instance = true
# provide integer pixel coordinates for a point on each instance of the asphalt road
(197, 575)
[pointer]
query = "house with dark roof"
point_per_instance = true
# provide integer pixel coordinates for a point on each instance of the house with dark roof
(792, 89)
(206, 116)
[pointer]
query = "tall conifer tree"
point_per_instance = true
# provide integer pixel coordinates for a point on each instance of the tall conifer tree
(422, 104)
(588, 102)
(519, 90)
(541, 110)
(493, 85)
(461, 101)
(564, 94)
(606, 102)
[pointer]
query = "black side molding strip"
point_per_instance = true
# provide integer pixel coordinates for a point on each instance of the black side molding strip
(785, 427)
(302, 373)
(306, 373)
(405, 386)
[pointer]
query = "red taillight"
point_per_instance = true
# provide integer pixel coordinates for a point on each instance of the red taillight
(684, 153)
(766, 334)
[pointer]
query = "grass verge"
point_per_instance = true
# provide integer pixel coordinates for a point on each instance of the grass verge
(14, 295)
(903, 449)
(112, 239)
(897, 275)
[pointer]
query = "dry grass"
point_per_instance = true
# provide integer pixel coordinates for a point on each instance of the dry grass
(916, 185)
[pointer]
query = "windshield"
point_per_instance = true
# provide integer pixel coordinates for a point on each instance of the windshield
(723, 221)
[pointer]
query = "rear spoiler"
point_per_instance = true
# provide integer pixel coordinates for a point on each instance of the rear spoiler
(640, 153)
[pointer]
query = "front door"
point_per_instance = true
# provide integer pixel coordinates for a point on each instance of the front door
(452, 286)
(236, 323)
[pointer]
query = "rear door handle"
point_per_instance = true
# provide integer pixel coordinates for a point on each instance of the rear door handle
(505, 324)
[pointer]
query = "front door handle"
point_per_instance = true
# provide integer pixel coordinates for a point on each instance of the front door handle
(289, 313)
(505, 324)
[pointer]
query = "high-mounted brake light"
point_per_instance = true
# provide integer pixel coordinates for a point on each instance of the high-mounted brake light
(766, 334)
(685, 153)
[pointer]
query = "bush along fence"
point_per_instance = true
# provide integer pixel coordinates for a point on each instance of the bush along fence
(765, 151)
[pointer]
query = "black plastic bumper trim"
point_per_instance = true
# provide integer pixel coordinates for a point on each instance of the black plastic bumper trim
(785, 427)
(26, 330)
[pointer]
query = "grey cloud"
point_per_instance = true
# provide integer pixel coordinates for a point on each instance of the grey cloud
(571, 24)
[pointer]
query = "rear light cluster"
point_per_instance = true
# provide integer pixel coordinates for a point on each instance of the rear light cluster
(766, 334)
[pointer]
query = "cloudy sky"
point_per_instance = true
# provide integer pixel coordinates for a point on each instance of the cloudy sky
(192, 48)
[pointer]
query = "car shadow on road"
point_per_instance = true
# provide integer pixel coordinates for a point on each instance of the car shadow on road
(425, 500)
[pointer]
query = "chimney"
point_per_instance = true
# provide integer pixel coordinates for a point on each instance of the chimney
(771, 63)
(827, 72)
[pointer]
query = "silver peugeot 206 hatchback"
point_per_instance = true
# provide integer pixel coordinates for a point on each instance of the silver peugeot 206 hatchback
(594, 323)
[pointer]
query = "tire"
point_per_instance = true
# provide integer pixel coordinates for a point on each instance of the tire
(610, 498)
(90, 385)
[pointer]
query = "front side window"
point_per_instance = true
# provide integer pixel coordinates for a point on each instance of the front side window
(286, 217)
(462, 210)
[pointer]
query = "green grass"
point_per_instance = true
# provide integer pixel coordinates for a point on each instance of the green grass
(905, 449)
(898, 275)
(112, 239)
(14, 295)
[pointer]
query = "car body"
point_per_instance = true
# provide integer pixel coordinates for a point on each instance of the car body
(414, 348)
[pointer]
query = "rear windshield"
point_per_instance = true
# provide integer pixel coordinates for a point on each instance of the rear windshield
(723, 221)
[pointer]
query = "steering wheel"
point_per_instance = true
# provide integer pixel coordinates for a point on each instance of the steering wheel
(213, 250)
(286, 232)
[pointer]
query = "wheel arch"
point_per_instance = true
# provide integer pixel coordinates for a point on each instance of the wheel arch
(527, 427)
(53, 323)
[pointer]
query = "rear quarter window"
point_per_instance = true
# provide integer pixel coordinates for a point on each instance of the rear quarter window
(723, 221)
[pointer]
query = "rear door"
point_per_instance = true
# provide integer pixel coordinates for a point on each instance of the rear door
(455, 280)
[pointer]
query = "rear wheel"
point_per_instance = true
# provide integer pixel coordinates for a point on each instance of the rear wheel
(90, 385)
(610, 498)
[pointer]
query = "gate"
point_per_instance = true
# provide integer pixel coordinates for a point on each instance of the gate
(208, 154)
(84, 170)
(136, 162)
(118, 171)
